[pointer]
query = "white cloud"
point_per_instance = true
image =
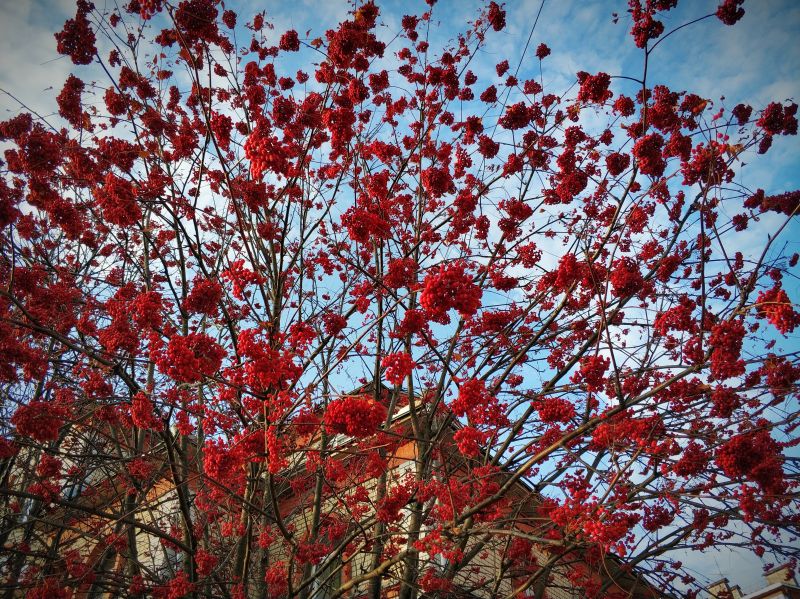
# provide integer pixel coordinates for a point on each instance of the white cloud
(30, 67)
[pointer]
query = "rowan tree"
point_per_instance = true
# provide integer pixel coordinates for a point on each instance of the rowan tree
(245, 270)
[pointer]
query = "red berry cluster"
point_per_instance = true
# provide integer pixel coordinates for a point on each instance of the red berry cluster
(355, 416)
(398, 366)
(204, 297)
(450, 287)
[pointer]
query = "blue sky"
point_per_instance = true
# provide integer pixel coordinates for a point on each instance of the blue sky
(756, 61)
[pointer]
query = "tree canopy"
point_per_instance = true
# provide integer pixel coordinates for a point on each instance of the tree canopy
(331, 315)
